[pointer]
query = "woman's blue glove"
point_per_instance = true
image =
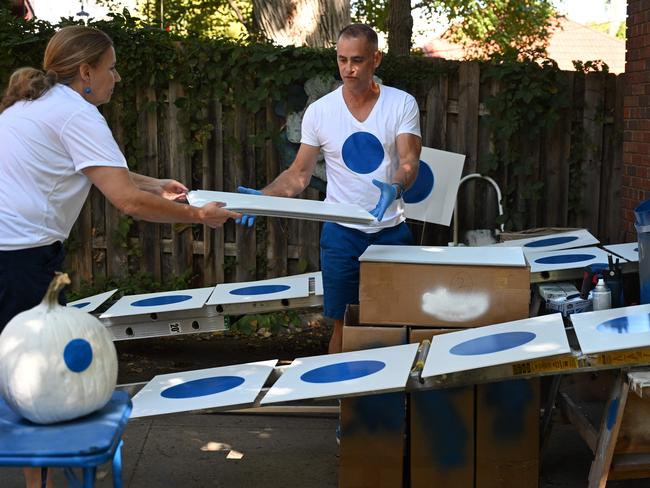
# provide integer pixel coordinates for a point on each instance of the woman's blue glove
(247, 220)
(386, 198)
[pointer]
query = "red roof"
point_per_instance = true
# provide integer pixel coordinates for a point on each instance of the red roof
(570, 41)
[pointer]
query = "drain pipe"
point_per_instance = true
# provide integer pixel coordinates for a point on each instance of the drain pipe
(496, 189)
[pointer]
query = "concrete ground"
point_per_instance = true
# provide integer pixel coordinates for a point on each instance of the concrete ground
(232, 450)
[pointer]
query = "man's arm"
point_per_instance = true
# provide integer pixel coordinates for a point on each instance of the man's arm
(296, 177)
(409, 147)
(169, 189)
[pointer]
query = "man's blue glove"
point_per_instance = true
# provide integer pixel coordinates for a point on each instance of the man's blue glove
(247, 220)
(386, 198)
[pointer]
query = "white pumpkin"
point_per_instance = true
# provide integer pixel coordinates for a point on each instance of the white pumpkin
(56, 363)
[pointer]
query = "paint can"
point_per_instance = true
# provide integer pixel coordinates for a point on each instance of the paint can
(601, 296)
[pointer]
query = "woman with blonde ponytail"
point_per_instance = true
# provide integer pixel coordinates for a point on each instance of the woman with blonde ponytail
(55, 145)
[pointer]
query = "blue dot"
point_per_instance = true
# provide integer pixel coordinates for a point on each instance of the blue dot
(636, 249)
(551, 241)
(77, 355)
(632, 324)
(362, 152)
(565, 258)
(347, 370)
(492, 343)
(260, 289)
(163, 300)
(203, 387)
(81, 305)
(423, 185)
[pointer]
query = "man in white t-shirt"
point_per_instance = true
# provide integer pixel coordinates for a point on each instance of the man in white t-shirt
(369, 135)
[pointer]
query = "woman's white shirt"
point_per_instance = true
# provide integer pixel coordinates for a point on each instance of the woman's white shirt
(44, 145)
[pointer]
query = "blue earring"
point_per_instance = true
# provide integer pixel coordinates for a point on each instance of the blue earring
(87, 90)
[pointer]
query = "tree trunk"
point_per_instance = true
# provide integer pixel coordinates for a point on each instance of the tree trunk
(314, 23)
(400, 27)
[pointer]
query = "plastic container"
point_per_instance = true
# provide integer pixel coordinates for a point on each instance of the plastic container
(643, 238)
(642, 213)
(601, 296)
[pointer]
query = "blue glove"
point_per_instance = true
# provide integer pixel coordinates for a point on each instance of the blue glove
(387, 197)
(247, 220)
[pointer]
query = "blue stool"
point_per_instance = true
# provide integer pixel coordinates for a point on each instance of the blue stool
(81, 443)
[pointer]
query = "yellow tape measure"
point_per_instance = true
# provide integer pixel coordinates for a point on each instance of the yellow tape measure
(545, 365)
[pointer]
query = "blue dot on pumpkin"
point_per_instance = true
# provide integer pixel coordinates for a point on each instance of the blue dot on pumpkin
(161, 300)
(202, 387)
(631, 324)
(423, 185)
(492, 343)
(259, 290)
(565, 258)
(81, 305)
(347, 370)
(362, 152)
(551, 241)
(77, 355)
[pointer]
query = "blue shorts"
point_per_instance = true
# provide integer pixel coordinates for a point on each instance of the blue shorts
(25, 276)
(340, 248)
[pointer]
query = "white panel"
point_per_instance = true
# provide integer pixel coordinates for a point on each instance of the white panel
(614, 329)
(492, 345)
(91, 304)
(629, 251)
(384, 369)
(228, 386)
(566, 259)
(296, 208)
(553, 242)
(477, 256)
(165, 301)
(259, 291)
(433, 195)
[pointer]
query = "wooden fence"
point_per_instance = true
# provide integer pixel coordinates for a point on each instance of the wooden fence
(104, 244)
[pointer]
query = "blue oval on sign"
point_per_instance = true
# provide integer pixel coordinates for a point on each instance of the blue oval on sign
(81, 305)
(162, 300)
(77, 355)
(202, 387)
(492, 343)
(551, 241)
(565, 258)
(423, 185)
(348, 370)
(259, 290)
(631, 324)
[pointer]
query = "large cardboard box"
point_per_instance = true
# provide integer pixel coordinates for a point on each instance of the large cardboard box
(441, 432)
(443, 286)
(373, 427)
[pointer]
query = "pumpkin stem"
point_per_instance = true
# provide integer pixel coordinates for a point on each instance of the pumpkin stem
(56, 285)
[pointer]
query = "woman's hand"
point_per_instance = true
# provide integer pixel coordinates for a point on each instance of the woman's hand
(213, 215)
(172, 190)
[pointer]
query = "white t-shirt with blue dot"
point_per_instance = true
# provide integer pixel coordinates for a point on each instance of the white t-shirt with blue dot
(357, 152)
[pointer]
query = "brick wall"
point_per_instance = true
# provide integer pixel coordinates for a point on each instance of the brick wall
(636, 113)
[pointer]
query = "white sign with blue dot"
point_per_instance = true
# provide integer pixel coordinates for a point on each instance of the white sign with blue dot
(167, 301)
(492, 345)
(612, 330)
(380, 370)
(92, 303)
(227, 386)
(262, 290)
(566, 259)
(553, 242)
(432, 197)
(297, 208)
(628, 251)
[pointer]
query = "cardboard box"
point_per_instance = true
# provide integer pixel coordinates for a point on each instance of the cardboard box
(442, 295)
(441, 432)
(373, 427)
(507, 434)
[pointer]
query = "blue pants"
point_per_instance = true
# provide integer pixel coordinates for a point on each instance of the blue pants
(24, 277)
(340, 248)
